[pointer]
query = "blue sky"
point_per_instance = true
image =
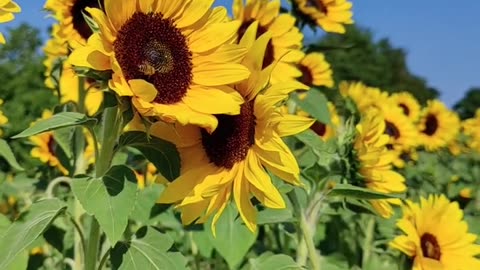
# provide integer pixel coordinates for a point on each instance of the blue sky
(442, 38)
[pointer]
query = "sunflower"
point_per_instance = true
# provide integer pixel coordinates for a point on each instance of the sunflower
(408, 104)
(364, 96)
(73, 28)
(315, 70)
(330, 15)
(436, 236)
(438, 126)
(327, 131)
(7, 8)
(45, 147)
(471, 130)
(402, 132)
(3, 119)
(177, 67)
(286, 43)
(231, 161)
(375, 161)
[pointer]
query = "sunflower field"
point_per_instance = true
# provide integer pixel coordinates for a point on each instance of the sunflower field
(182, 134)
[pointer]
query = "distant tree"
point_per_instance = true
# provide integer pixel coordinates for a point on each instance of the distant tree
(22, 80)
(22, 86)
(355, 56)
(467, 106)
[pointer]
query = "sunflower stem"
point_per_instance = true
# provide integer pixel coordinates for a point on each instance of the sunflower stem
(367, 243)
(110, 129)
(306, 237)
(79, 168)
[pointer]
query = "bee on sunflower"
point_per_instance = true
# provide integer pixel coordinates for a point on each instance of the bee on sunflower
(436, 236)
(230, 162)
(177, 67)
(7, 9)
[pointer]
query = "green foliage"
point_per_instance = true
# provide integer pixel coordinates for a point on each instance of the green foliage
(375, 63)
(110, 199)
(469, 104)
(149, 249)
(7, 154)
(59, 120)
(162, 154)
(21, 234)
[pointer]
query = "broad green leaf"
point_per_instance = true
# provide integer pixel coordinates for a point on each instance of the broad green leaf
(26, 229)
(203, 243)
(269, 216)
(149, 249)
(110, 199)
(161, 153)
(351, 191)
(64, 138)
(7, 154)
(335, 262)
(60, 120)
(270, 261)
(146, 199)
(231, 231)
(4, 224)
(315, 104)
(20, 262)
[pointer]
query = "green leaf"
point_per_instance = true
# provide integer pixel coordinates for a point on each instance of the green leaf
(26, 229)
(231, 231)
(146, 199)
(64, 138)
(7, 154)
(148, 250)
(269, 216)
(60, 120)
(350, 191)
(270, 261)
(315, 104)
(110, 199)
(161, 153)
(203, 243)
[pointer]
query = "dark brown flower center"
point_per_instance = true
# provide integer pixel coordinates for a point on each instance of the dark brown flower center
(79, 23)
(318, 4)
(392, 130)
(307, 77)
(319, 128)
(151, 48)
(269, 52)
(431, 125)
(52, 146)
(430, 247)
(405, 109)
(232, 139)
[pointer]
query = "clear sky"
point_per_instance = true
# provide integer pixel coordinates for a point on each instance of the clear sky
(442, 38)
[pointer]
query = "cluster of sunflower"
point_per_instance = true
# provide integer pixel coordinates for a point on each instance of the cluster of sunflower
(218, 88)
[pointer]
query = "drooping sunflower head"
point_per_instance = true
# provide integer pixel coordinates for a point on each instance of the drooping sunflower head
(230, 162)
(45, 147)
(315, 70)
(285, 46)
(7, 9)
(438, 126)
(436, 236)
(408, 104)
(330, 15)
(73, 28)
(375, 161)
(176, 67)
